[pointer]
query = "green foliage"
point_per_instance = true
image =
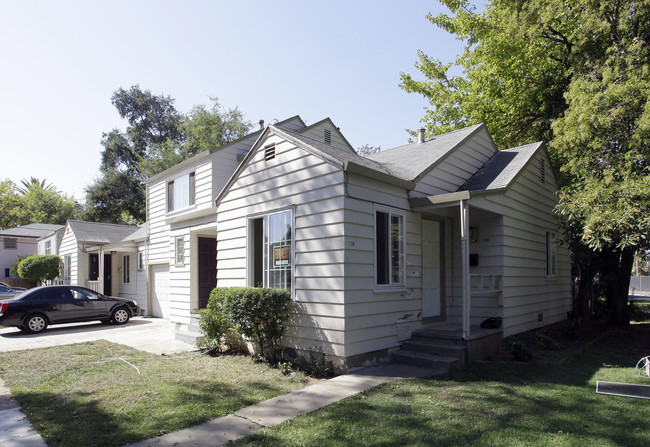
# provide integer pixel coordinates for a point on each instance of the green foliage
(37, 268)
(14, 268)
(157, 137)
(316, 363)
(257, 314)
(36, 202)
(576, 74)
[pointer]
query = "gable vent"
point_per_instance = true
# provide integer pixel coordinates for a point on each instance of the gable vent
(269, 153)
(542, 170)
(328, 136)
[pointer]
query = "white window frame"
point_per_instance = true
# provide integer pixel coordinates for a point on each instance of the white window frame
(179, 202)
(391, 284)
(551, 253)
(48, 247)
(67, 267)
(179, 251)
(126, 269)
(140, 261)
(266, 271)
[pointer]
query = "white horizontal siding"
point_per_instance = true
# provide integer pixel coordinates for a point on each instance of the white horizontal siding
(314, 190)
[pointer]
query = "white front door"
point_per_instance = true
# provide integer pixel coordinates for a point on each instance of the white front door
(431, 269)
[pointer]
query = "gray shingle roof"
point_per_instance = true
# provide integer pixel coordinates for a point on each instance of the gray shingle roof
(101, 233)
(31, 230)
(336, 154)
(411, 161)
(502, 168)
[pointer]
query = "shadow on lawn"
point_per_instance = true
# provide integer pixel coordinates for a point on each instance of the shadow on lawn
(493, 404)
(72, 419)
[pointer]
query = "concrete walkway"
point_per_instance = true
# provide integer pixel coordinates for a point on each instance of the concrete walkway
(15, 429)
(220, 431)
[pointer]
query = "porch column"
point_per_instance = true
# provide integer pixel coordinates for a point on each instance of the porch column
(464, 239)
(101, 270)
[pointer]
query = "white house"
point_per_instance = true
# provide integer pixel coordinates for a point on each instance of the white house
(182, 224)
(440, 233)
(107, 258)
(435, 235)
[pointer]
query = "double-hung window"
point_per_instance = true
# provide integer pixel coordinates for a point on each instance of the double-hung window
(180, 192)
(389, 247)
(271, 250)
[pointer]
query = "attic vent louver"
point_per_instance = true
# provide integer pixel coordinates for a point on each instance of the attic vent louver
(542, 170)
(328, 136)
(269, 153)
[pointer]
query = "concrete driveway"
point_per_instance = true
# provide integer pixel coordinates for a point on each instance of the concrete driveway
(153, 335)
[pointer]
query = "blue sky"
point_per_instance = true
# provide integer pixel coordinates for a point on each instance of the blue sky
(62, 60)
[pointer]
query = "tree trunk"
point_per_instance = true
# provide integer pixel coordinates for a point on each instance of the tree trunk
(621, 314)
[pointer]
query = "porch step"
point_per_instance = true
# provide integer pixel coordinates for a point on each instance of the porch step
(424, 360)
(188, 337)
(192, 334)
(432, 348)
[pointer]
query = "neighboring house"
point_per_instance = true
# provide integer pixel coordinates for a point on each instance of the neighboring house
(22, 241)
(445, 232)
(107, 258)
(49, 244)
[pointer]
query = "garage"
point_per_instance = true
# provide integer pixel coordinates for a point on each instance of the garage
(160, 295)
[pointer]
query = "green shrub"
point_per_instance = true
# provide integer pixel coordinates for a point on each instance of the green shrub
(316, 363)
(37, 268)
(14, 268)
(257, 314)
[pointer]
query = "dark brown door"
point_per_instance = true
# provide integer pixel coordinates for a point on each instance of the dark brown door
(207, 269)
(108, 277)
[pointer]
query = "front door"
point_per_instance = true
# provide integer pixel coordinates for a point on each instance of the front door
(207, 269)
(108, 276)
(431, 269)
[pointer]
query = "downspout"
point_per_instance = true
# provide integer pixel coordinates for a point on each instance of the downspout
(464, 240)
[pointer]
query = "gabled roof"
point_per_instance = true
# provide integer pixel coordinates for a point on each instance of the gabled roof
(412, 161)
(500, 171)
(205, 154)
(345, 159)
(328, 120)
(35, 230)
(101, 233)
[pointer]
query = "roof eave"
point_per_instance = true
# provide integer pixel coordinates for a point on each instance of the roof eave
(355, 168)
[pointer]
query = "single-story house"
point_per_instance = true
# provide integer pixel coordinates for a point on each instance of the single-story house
(107, 258)
(444, 232)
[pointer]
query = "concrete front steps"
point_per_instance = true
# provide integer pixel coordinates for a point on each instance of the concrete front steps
(192, 334)
(444, 348)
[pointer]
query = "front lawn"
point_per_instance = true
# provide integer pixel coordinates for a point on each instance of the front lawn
(549, 402)
(74, 401)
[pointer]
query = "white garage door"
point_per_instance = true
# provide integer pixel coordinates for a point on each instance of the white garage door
(160, 281)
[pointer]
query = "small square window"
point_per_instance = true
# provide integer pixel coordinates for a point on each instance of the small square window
(10, 243)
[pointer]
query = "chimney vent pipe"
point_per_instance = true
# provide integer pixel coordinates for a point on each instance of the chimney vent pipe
(261, 124)
(421, 135)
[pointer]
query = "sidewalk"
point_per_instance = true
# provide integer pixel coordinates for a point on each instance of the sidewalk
(221, 431)
(15, 429)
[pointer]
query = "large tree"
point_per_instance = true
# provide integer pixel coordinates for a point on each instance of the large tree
(575, 74)
(35, 202)
(156, 138)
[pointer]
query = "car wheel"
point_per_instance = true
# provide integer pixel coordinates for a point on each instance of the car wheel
(121, 315)
(35, 324)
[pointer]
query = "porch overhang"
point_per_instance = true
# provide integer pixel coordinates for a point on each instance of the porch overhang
(460, 199)
(439, 200)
